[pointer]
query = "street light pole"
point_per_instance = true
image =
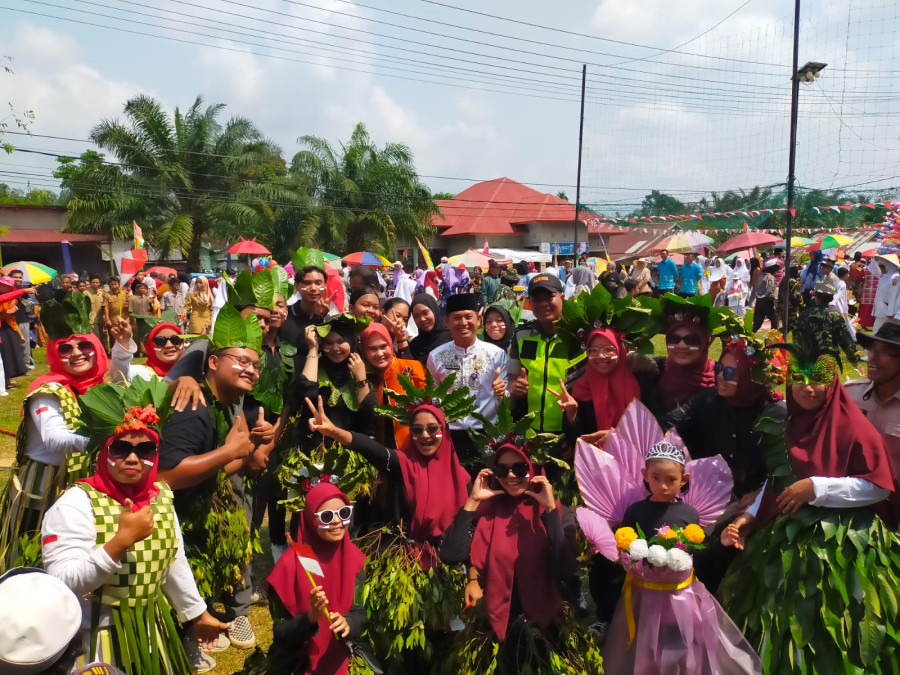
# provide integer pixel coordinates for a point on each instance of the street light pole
(578, 180)
(792, 159)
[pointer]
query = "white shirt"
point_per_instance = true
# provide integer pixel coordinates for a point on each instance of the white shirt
(836, 493)
(121, 371)
(48, 439)
(76, 559)
(475, 368)
(406, 288)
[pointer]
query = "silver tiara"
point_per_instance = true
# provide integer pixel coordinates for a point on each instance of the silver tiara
(665, 450)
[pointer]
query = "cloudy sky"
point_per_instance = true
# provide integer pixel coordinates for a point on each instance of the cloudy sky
(687, 97)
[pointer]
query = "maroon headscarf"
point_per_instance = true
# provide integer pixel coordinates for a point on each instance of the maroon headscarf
(837, 441)
(76, 383)
(436, 486)
(341, 563)
(153, 359)
(140, 493)
(678, 383)
(610, 393)
(510, 544)
(749, 393)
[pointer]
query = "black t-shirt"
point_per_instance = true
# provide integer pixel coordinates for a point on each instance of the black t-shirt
(187, 433)
(653, 515)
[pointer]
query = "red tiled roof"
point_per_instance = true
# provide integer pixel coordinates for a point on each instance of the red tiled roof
(501, 206)
(50, 237)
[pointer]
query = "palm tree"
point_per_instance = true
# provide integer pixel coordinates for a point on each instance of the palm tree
(365, 197)
(182, 177)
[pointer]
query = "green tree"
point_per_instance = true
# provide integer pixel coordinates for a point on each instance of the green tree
(443, 195)
(182, 177)
(562, 195)
(32, 197)
(365, 197)
(660, 204)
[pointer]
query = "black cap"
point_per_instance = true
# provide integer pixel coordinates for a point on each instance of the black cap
(461, 303)
(549, 282)
(888, 332)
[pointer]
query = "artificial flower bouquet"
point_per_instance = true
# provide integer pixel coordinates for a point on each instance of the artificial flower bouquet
(668, 548)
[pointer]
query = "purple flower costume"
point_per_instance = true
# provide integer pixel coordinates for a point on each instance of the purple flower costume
(666, 622)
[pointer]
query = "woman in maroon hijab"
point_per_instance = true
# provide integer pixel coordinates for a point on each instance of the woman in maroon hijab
(687, 367)
(314, 623)
(519, 543)
(823, 493)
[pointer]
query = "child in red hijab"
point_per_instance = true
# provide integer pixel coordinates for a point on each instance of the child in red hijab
(314, 623)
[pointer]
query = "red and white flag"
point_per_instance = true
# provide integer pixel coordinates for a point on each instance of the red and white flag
(487, 250)
(308, 559)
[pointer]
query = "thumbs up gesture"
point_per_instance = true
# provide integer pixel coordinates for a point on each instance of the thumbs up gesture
(134, 526)
(263, 432)
(520, 390)
(499, 385)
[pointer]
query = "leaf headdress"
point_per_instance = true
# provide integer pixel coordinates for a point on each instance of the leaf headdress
(231, 330)
(109, 409)
(69, 317)
(506, 429)
(635, 319)
(454, 403)
(808, 363)
(257, 290)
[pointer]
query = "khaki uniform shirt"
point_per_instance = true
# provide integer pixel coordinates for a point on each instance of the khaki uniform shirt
(884, 415)
(96, 300)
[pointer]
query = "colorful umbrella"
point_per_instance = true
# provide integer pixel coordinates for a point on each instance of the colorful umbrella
(870, 253)
(32, 272)
(797, 242)
(367, 259)
(832, 241)
(248, 247)
(683, 241)
(747, 240)
(167, 271)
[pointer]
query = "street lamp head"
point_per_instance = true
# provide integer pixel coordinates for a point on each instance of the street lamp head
(810, 71)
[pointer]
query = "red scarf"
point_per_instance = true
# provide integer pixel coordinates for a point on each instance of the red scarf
(436, 486)
(510, 544)
(153, 360)
(76, 383)
(678, 383)
(610, 393)
(749, 393)
(341, 563)
(837, 441)
(141, 493)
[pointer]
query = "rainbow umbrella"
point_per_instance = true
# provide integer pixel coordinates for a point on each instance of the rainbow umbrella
(832, 241)
(367, 259)
(32, 272)
(798, 242)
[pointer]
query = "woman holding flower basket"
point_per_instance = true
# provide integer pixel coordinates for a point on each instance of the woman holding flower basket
(666, 620)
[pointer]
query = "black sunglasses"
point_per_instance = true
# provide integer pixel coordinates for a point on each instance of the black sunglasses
(727, 372)
(120, 449)
(161, 340)
(688, 339)
(85, 347)
(343, 514)
(418, 429)
(519, 470)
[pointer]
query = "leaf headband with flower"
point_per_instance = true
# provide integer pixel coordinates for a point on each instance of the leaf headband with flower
(109, 410)
(309, 483)
(454, 403)
(138, 419)
(538, 446)
(758, 353)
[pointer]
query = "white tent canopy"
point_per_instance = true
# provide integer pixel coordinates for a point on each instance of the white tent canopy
(519, 255)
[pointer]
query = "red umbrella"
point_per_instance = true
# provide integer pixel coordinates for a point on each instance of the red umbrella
(248, 247)
(676, 258)
(159, 269)
(870, 253)
(748, 240)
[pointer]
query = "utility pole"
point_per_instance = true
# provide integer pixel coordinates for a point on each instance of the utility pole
(792, 158)
(578, 180)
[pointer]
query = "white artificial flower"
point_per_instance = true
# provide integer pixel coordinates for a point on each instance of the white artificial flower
(638, 549)
(656, 555)
(678, 560)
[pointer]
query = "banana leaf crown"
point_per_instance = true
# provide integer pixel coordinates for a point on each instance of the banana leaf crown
(256, 290)
(69, 317)
(454, 403)
(231, 330)
(699, 310)
(108, 409)
(356, 323)
(637, 319)
(304, 257)
(506, 429)
(283, 283)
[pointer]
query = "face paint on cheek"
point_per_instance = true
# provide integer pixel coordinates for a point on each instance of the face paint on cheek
(694, 348)
(438, 435)
(63, 360)
(237, 366)
(111, 461)
(147, 462)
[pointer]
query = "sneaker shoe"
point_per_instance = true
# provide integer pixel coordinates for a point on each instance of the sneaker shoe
(4, 393)
(259, 597)
(223, 644)
(241, 633)
(30, 366)
(200, 661)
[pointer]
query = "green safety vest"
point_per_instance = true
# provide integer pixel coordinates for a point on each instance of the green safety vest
(547, 361)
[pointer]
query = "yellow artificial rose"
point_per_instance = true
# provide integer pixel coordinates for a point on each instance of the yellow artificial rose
(624, 537)
(694, 534)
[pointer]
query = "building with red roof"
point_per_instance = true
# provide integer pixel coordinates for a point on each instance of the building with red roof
(511, 215)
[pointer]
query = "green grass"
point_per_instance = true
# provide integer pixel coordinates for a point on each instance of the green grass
(11, 408)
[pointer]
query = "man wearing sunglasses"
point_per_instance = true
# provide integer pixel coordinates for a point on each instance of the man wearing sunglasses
(197, 444)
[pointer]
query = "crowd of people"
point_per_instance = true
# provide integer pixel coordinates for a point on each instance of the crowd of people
(461, 471)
